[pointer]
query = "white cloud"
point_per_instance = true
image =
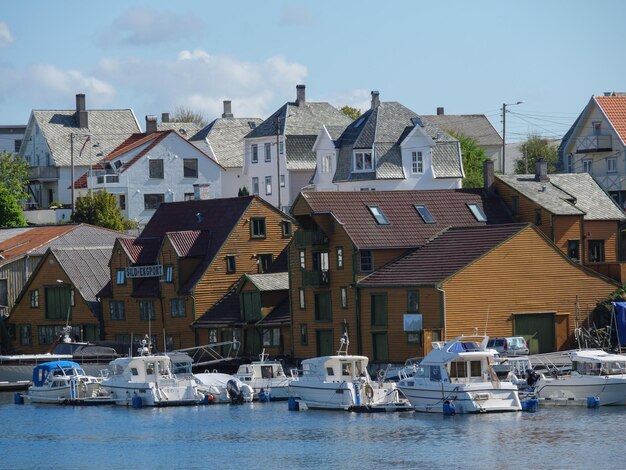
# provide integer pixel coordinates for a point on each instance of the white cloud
(141, 26)
(5, 35)
(358, 98)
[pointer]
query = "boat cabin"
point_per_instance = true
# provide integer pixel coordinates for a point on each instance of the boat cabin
(141, 369)
(597, 363)
(336, 368)
(48, 371)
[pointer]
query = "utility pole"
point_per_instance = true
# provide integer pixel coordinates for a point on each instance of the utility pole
(504, 105)
(72, 167)
(278, 159)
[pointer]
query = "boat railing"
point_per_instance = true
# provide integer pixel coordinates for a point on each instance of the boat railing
(555, 364)
(212, 353)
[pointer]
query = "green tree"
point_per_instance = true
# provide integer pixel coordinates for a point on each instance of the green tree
(243, 192)
(11, 214)
(535, 148)
(99, 208)
(13, 180)
(183, 114)
(473, 160)
(352, 113)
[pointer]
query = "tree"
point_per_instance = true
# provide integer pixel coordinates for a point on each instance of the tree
(243, 192)
(473, 160)
(535, 148)
(352, 113)
(99, 208)
(11, 214)
(13, 181)
(182, 114)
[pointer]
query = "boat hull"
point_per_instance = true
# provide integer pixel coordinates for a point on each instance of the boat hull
(346, 396)
(574, 390)
(154, 395)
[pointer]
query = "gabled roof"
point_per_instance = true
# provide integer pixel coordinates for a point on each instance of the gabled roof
(190, 243)
(567, 194)
(614, 108)
(141, 250)
(406, 228)
(185, 129)
(443, 256)
(476, 126)
(108, 128)
(279, 316)
(269, 281)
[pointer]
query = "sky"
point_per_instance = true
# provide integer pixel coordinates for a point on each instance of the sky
(468, 57)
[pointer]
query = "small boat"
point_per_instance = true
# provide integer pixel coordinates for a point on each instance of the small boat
(342, 382)
(596, 378)
(224, 388)
(63, 382)
(265, 377)
(458, 377)
(148, 380)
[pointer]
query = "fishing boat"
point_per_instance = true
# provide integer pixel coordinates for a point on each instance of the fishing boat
(148, 380)
(342, 382)
(458, 377)
(224, 388)
(596, 378)
(265, 377)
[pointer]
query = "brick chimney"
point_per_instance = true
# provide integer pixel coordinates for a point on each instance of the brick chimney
(81, 111)
(541, 170)
(300, 94)
(165, 117)
(228, 112)
(375, 99)
(440, 111)
(489, 178)
(151, 125)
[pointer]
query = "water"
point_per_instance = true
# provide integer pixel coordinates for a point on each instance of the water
(268, 436)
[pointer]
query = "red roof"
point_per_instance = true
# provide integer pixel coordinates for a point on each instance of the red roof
(141, 250)
(31, 239)
(190, 242)
(614, 108)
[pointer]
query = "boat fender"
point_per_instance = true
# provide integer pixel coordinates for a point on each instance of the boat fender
(137, 402)
(369, 391)
(448, 408)
(18, 399)
(531, 377)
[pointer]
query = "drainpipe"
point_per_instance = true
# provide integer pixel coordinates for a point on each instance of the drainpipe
(357, 302)
(443, 311)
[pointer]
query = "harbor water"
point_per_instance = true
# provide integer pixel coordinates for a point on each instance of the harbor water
(268, 435)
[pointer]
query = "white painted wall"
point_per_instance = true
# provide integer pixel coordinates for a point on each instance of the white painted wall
(261, 169)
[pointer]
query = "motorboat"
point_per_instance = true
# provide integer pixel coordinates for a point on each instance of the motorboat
(148, 380)
(265, 377)
(224, 388)
(63, 382)
(342, 382)
(458, 377)
(596, 377)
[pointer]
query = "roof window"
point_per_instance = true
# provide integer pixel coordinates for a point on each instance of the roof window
(378, 215)
(477, 211)
(425, 214)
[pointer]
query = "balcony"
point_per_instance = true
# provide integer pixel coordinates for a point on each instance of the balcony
(43, 173)
(615, 270)
(108, 179)
(310, 237)
(316, 278)
(594, 143)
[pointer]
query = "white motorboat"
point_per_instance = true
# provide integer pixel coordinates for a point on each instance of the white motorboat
(596, 375)
(148, 380)
(458, 377)
(63, 382)
(342, 382)
(265, 377)
(224, 388)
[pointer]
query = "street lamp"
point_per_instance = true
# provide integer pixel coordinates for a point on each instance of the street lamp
(504, 105)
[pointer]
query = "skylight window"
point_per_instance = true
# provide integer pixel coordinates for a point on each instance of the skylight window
(359, 122)
(478, 212)
(425, 214)
(378, 215)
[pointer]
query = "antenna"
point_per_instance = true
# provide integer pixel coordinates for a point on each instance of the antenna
(487, 320)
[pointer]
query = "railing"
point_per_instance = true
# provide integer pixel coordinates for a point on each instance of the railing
(317, 278)
(310, 237)
(105, 179)
(615, 270)
(43, 172)
(594, 143)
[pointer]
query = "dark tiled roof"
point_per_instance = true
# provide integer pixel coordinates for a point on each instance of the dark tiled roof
(300, 154)
(225, 312)
(476, 126)
(190, 243)
(281, 263)
(142, 250)
(279, 316)
(440, 258)
(406, 228)
(185, 129)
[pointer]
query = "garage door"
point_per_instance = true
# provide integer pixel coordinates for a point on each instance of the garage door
(538, 329)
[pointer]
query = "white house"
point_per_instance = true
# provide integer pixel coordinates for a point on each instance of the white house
(11, 138)
(279, 159)
(389, 147)
(151, 168)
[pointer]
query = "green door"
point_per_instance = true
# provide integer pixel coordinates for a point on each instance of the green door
(539, 331)
(324, 340)
(252, 341)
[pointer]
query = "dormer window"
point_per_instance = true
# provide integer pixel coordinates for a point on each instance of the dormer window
(425, 214)
(478, 212)
(378, 215)
(363, 161)
(326, 159)
(417, 163)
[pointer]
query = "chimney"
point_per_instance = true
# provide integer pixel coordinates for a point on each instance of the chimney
(201, 191)
(81, 112)
(165, 117)
(151, 124)
(541, 170)
(228, 112)
(489, 178)
(375, 99)
(301, 95)
(440, 111)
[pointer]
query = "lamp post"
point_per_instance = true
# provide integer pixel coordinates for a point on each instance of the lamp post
(504, 105)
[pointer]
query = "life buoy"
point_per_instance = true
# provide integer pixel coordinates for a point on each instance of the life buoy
(369, 391)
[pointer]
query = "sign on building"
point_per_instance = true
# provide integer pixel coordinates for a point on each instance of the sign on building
(144, 271)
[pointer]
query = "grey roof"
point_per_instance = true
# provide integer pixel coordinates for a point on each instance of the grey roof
(567, 194)
(108, 127)
(300, 154)
(186, 129)
(7, 233)
(476, 126)
(383, 129)
(225, 138)
(269, 281)
(84, 236)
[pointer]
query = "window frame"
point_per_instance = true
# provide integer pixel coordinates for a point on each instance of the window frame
(477, 212)
(302, 258)
(378, 214)
(362, 155)
(156, 169)
(267, 148)
(169, 273)
(120, 276)
(254, 153)
(152, 201)
(412, 306)
(258, 228)
(424, 213)
(339, 254)
(588, 166)
(268, 185)
(255, 185)
(286, 228)
(304, 334)
(117, 310)
(190, 172)
(148, 315)
(301, 299)
(417, 162)
(611, 165)
(601, 245)
(175, 307)
(364, 254)
(343, 297)
(573, 248)
(34, 298)
(231, 264)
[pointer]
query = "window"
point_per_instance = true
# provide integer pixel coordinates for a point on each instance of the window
(257, 227)
(169, 273)
(343, 293)
(254, 150)
(178, 308)
(611, 165)
(117, 310)
(538, 216)
(58, 301)
(363, 161)
(415, 338)
(121, 201)
(596, 251)
(573, 249)
(597, 127)
(379, 309)
(34, 298)
(302, 260)
(156, 168)
(515, 205)
(48, 333)
(271, 337)
(340, 257)
(301, 298)
(231, 266)
(268, 185)
(120, 276)
(587, 166)
(146, 310)
(367, 264)
(477, 211)
(412, 301)
(255, 185)
(304, 334)
(286, 227)
(268, 152)
(378, 215)
(417, 163)
(25, 335)
(265, 261)
(152, 201)
(212, 335)
(320, 261)
(17, 144)
(326, 161)
(189, 196)
(323, 310)
(190, 168)
(424, 214)
(282, 181)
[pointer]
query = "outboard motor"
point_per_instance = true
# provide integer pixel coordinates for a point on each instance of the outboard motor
(234, 392)
(531, 377)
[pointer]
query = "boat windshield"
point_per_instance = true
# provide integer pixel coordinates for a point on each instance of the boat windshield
(465, 346)
(599, 368)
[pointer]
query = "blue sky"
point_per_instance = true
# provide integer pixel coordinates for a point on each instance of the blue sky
(469, 57)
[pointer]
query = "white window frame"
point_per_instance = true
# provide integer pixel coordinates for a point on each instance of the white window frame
(268, 151)
(611, 165)
(282, 181)
(326, 163)
(360, 156)
(588, 166)
(417, 162)
(268, 185)
(254, 153)
(255, 185)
